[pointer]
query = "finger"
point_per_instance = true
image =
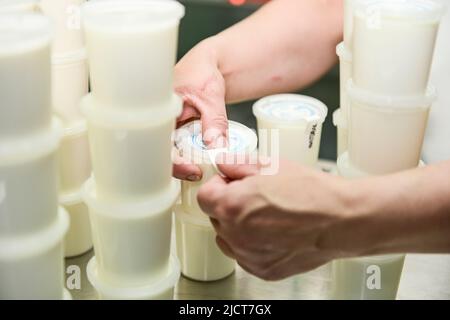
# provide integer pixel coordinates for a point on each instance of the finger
(210, 194)
(188, 114)
(237, 167)
(185, 170)
(226, 249)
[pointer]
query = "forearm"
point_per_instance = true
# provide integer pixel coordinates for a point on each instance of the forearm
(405, 212)
(284, 46)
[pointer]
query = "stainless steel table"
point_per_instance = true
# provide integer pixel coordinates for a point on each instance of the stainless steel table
(423, 277)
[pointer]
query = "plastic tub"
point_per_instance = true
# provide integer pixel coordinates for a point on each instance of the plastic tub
(78, 239)
(189, 142)
(161, 288)
(348, 22)
(29, 182)
(345, 74)
(367, 278)
(32, 265)
(131, 151)
(69, 84)
(24, 74)
(65, 15)
(340, 122)
(74, 159)
(290, 127)
(132, 49)
(200, 257)
(131, 239)
(13, 6)
(386, 133)
(393, 45)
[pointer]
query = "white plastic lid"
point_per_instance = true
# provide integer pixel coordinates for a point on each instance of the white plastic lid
(398, 11)
(290, 109)
(344, 53)
(116, 118)
(188, 139)
(339, 119)
(23, 31)
(126, 15)
(154, 204)
(191, 219)
(374, 100)
(24, 246)
(145, 291)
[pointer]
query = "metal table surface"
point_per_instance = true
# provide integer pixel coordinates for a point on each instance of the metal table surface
(423, 277)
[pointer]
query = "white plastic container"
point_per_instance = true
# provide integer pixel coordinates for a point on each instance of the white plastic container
(189, 142)
(32, 265)
(386, 133)
(131, 239)
(65, 15)
(69, 84)
(348, 22)
(24, 74)
(78, 239)
(340, 122)
(74, 159)
(200, 257)
(159, 289)
(367, 278)
(345, 74)
(290, 127)
(29, 183)
(132, 48)
(18, 6)
(393, 45)
(131, 151)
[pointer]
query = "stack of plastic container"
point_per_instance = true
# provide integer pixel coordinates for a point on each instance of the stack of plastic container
(201, 259)
(131, 113)
(389, 101)
(69, 85)
(290, 127)
(32, 227)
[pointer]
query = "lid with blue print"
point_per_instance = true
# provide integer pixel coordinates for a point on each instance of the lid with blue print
(290, 109)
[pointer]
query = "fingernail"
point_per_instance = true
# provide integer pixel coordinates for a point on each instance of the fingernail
(193, 178)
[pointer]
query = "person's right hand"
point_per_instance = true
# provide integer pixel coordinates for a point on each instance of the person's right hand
(199, 82)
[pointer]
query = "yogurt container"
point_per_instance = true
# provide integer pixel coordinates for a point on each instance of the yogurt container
(340, 122)
(18, 6)
(188, 140)
(290, 127)
(132, 49)
(200, 257)
(348, 22)
(345, 74)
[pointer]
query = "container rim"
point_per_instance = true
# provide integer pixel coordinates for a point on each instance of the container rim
(344, 53)
(339, 120)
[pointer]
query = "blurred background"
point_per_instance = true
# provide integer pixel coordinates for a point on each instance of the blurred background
(205, 18)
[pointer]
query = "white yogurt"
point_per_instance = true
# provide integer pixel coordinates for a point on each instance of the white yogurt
(132, 49)
(24, 74)
(159, 289)
(189, 142)
(69, 84)
(32, 265)
(290, 127)
(393, 45)
(131, 151)
(340, 122)
(131, 239)
(386, 133)
(200, 257)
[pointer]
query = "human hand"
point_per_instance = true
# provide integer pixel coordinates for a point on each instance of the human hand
(273, 225)
(199, 82)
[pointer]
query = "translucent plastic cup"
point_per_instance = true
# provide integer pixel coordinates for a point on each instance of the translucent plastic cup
(290, 127)
(200, 257)
(29, 182)
(24, 74)
(69, 84)
(386, 133)
(131, 151)
(161, 288)
(132, 49)
(32, 265)
(131, 239)
(18, 6)
(393, 45)
(348, 22)
(340, 122)
(78, 239)
(367, 278)
(345, 74)
(188, 140)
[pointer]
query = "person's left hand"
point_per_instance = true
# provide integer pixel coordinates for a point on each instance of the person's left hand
(273, 225)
